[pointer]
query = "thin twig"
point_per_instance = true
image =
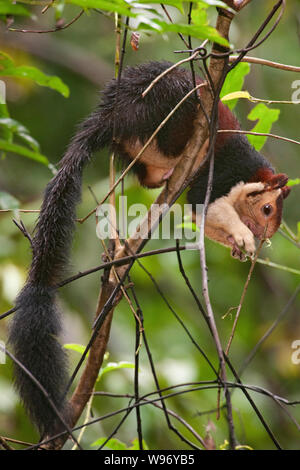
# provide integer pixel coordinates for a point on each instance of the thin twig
(9, 312)
(268, 63)
(183, 422)
(169, 69)
(20, 210)
(253, 404)
(4, 444)
(205, 385)
(23, 230)
(253, 263)
(58, 27)
(265, 134)
(278, 266)
(217, 82)
(128, 411)
(16, 441)
(171, 21)
(153, 371)
(139, 326)
(270, 330)
(187, 281)
(252, 43)
(119, 262)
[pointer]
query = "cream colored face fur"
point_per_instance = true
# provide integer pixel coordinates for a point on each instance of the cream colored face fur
(249, 210)
(260, 211)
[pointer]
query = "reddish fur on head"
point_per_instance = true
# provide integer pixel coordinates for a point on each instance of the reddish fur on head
(266, 175)
(273, 181)
(262, 210)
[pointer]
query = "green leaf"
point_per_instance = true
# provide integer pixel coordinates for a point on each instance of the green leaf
(6, 60)
(116, 6)
(199, 32)
(236, 95)
(216, 3)
(145, 23)
(21, 131)
(75, 347)
(298, 231)
(243, 447)
(115, 366)
(59, 7)
(9, 8)
(5, 133)
(9, 69)
(26, 71)
(174, 3)
(7, 201)
(189, 225)
(199, 16)
(224, 446)
(25, 152)
(136, 446)
(201, 3)
(235, 81)
(293, 182)
(112, 444)
(266, 117)
(3, 111)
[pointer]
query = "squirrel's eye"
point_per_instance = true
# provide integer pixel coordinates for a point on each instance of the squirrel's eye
(267, 209)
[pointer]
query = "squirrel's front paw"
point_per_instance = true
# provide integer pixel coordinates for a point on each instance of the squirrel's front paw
(236, 252)
(242, 239)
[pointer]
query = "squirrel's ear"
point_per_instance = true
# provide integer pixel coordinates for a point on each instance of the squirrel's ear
(278, 181)
(285, 191)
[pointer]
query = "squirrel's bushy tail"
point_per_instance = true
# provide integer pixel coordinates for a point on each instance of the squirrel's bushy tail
(35, 327)
(33, 335)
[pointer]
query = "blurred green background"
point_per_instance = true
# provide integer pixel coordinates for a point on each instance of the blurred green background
(83, 57)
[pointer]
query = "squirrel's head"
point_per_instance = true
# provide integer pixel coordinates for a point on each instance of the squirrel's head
(261, 209)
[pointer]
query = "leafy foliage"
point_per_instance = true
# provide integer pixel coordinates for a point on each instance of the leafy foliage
(10, 128)
(232, 91)
(9, 69)
(234, 82)
(109, 367)
(9, 8)
(265, 117)
(293, 182)
(7, 201)
(116, 444)
(17, 129)
(23, 151)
